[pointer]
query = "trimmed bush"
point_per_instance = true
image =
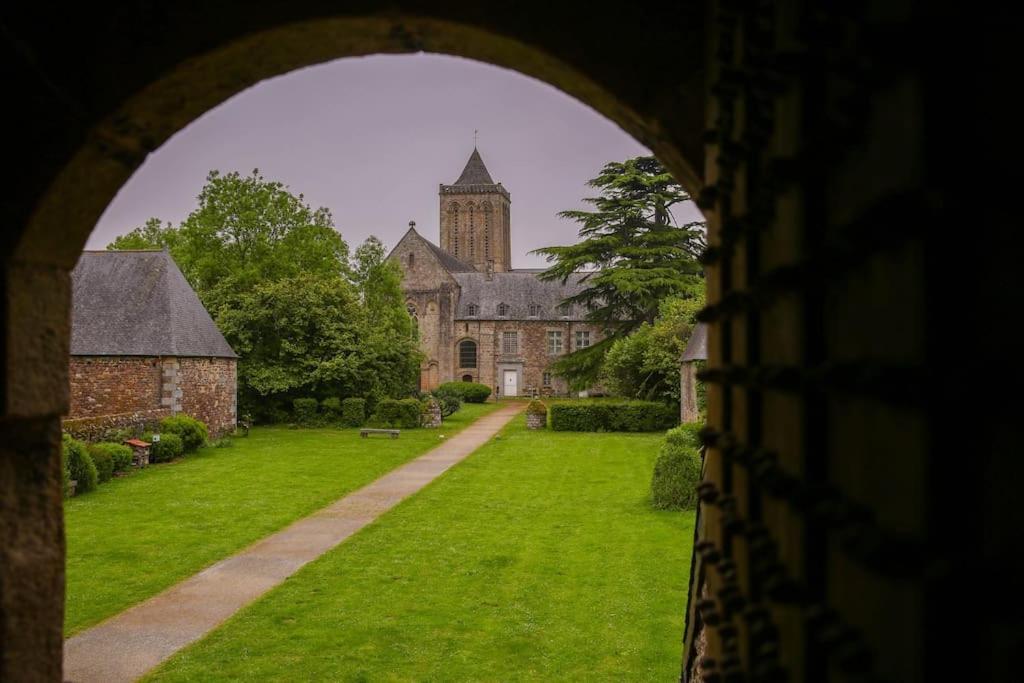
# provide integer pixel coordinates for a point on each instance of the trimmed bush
(120, 455)
(403, 414)
(65, 486)
(537, 407)
(450, 403)
(193, 433)
(353, 412)
(166, 449)
(305, 410)
(608, 416)
(104, 463)
(80, 466)
(677, 471)
(470, 392)
(330, 408)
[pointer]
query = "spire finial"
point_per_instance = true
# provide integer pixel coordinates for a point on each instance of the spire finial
(475, 133)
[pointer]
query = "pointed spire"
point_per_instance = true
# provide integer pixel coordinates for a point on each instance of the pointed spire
(475, 172)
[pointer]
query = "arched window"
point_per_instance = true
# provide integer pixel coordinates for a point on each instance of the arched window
(467, 378)
(412, 259)
(467, 354)
(411, 308)
(486, 208)
(453, 226)
(502, 310)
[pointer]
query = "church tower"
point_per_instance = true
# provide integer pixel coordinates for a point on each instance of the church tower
(475, 219)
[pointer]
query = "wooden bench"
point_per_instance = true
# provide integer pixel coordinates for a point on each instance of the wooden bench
(365, 432)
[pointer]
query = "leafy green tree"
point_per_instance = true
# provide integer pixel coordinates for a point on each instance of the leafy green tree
(152, 235)
(645, 364)
(632, 253)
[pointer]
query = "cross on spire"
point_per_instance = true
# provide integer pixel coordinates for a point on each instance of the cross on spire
(475, 132)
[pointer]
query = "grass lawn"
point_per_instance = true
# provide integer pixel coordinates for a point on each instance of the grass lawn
(139, 534)
(537, 558)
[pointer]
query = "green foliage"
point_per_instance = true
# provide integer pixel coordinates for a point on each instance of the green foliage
(330, 408)
(152, 235)
(449, 402)
(470, 392)
(193, 433)
(120, 455)
(609, 416)
(305, 411)
(223, 442)
(537, 407)
(276, 278)
(634, 253)
(645, 364)
(79, 464)
(677, 470)
(353, 412)
(65, 485)
(104, 463)
(398, 414)
(169, 447)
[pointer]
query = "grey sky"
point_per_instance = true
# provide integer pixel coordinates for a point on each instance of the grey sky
(371, 138)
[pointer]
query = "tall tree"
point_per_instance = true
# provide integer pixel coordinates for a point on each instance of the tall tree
(632, 255)
(153, 235)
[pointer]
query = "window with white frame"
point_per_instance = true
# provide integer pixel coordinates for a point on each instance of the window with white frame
(534, 310)
(582, 339)
(510, 342)
(554, 342)
(547, 379)
(472, 309)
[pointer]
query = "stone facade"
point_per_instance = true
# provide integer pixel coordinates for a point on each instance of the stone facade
(466, 293)
(109, 393)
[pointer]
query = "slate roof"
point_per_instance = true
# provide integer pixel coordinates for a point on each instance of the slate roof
(475, 173)
(451, 264)
(697, 347)
(137, 303)
(518, 289)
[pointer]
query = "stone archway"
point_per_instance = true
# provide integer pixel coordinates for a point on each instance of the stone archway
(808, 146)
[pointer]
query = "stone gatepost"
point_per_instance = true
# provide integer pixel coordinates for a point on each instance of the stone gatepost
(432, 413)
(536, 415)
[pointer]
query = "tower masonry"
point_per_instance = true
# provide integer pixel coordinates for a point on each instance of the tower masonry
(476, 219)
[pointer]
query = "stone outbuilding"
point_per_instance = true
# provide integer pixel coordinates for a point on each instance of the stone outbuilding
(143, 347)
(696, 350)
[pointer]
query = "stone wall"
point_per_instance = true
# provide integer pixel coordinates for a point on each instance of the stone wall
(114, 385)
(209, 391)
(532, 359)
(109, 393)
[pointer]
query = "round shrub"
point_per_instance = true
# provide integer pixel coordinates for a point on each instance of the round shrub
(470, 392)
(393, 414)
(450, 403)
(353, 412)
(166, 449)
(120, 455)
(192, 432)
(677, 472)
(104, 463)
(537, 407)
(305, 410)
(330, 408)
(80, 466)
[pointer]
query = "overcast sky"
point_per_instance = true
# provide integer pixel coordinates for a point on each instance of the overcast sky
(371, 138)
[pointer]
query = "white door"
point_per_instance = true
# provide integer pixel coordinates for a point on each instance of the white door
(511, 388)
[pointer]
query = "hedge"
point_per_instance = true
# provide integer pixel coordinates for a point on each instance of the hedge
(193, 433)
(120, 455)
(104, 463)
(305, 410)
(79, 465)
(330, 408)
(167, 448)
(353, 412)
(403, 414)
(677, 470)
(608, 416)
(470, 392)
(450, 403)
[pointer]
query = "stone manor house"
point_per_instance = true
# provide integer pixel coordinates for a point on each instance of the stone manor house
(479, 319)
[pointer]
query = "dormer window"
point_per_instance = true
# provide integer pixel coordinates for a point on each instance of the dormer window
(534, 310)
(472, 309)
(564, 310)
(502, 310)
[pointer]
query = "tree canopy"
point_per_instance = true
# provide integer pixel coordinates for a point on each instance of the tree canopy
(632, 254)
(277, 279)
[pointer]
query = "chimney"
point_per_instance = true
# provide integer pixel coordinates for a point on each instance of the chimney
(490, 269)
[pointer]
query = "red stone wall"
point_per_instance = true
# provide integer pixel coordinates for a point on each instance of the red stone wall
(109, 393)
(209, 391)
(113, 385)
